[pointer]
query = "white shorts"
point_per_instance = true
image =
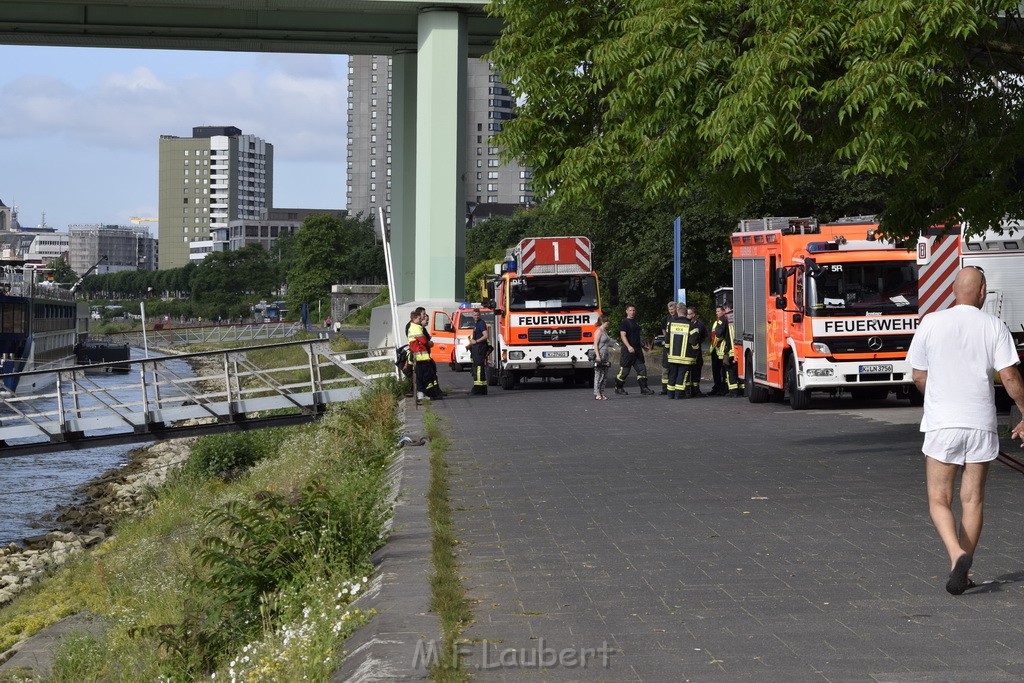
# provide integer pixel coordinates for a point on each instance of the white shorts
(958, 445)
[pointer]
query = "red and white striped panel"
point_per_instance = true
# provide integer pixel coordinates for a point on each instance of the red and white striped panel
(583, 253)
(527, 255)
(935, 278)
(550, 255)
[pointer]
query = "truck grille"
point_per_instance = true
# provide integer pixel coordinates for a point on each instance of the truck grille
(555, 334)
(891, 343)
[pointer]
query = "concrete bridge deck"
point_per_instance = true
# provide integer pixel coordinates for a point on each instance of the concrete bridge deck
(715, 540)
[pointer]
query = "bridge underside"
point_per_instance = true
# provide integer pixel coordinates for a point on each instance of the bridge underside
(430, 42)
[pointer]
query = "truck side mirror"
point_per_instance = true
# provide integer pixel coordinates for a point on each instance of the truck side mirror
(781, 281)
(781, 303)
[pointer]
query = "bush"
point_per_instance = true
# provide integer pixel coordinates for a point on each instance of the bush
(227, 455)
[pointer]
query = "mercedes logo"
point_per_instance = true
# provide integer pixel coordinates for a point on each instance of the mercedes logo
(875, 343)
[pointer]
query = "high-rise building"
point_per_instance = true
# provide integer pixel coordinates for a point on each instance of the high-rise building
(121, 248)
(206, 181)
(489, 105)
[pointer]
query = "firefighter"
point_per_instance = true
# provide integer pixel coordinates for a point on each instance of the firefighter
(729, 366)
(632, 354)
(478, 347)
(719, 334)
(697, 350)
(718, 386)
(664, 346)
(419, 351)
(680, 354)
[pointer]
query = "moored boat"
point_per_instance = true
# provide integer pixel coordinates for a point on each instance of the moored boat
(39, 329)
(113, 355)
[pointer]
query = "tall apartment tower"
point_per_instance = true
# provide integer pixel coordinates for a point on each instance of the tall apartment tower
(489, 105)
(215, 176)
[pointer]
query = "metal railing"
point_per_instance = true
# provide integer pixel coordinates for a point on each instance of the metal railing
(160, 398)
(164, 337)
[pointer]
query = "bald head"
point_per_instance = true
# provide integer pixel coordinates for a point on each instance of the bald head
(969, 287)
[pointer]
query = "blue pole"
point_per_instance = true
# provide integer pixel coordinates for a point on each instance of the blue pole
(677, 266)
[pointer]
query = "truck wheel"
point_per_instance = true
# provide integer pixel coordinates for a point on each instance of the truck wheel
(799, 399)
(492, 376)
(507, 379)
(755, 394)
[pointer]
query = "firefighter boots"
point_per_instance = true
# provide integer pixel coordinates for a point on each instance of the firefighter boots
(620, 388)
(644, 389)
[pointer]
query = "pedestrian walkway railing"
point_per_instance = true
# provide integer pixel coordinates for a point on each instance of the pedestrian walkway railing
(187, 394)
(165, 336)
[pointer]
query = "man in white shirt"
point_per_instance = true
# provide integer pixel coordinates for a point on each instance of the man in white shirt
(953, 354)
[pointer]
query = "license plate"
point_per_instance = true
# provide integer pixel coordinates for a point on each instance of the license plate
(875, 369)
(556, 354)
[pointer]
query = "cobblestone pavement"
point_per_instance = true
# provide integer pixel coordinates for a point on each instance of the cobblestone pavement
(716, 540)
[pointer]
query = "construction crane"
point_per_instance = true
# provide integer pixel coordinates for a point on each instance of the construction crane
(78, 283)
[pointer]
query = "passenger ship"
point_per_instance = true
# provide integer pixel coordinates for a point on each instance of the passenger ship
(40, 326)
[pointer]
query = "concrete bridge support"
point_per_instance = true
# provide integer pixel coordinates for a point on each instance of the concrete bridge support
(428, 120)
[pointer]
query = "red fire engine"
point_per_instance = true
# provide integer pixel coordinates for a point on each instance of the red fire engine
(545, 305)
(822, 307)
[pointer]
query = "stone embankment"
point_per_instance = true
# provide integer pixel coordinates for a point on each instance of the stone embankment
(106, 499)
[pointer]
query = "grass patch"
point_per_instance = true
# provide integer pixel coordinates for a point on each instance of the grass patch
(248, 579)
(447, 594)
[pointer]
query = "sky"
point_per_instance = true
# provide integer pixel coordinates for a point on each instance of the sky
(80, 127)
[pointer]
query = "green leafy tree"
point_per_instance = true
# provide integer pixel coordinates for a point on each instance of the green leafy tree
(926, 95)
(226, 282)
(62, 270)
(327, 251)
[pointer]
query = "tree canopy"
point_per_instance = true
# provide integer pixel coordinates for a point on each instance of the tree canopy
(328, 251)
(926, 94)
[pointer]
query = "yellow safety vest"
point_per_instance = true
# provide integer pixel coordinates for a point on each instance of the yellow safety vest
(679, 346)
(416, 330)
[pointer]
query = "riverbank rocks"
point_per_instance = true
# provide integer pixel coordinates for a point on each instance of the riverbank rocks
(85, 524)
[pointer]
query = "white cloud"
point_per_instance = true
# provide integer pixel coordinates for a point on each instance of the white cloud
(139, 79)
(296, 102)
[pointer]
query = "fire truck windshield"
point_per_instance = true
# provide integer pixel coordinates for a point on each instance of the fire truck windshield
(836, 289)
(554, 292)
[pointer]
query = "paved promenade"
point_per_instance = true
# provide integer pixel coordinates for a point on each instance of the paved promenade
(716, 540)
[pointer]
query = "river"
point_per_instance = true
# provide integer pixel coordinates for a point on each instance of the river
(33, 486)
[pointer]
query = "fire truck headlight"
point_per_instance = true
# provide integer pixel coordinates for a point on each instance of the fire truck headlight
(819, 372)
(821, 348)
(516, 355)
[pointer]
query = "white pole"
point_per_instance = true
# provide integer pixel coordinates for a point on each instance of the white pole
(145, 339)
(390, 270)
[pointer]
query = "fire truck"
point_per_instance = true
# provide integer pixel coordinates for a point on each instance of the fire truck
(1000, 256)
(822, 307)
(546, 302)
(451, 334)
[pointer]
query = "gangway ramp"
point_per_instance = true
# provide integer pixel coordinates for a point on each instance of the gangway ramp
(231, 390)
